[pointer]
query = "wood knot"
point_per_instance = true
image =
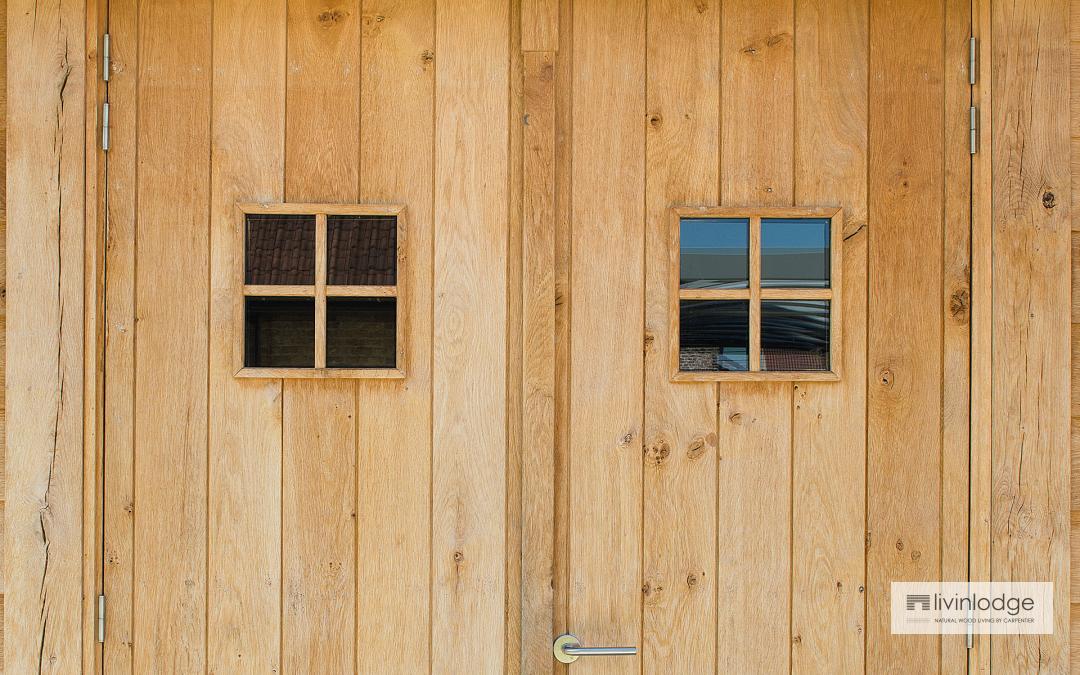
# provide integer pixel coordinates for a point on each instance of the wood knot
(329, 17)
(427, 57)
(656, 453)
(899, 544)
(370, 24)
(696, 448)
(693, 579)
(626, 439)
(915, 555)
(796, 639)
(959, 304)
(655, 120)
(701, 7)
(1049, 201)
(886, 377)
(648, 589)
(458, 557)
(650, 340)
(735, 418)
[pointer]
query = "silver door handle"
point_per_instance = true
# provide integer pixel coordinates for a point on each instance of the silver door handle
(567, 648)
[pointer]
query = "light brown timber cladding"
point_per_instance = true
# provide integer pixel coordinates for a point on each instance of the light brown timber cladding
(904, 319)
(682, 164)
(171, 291)
(1031, 230)
(538, 363)
(44, 461)
(1074, 473)
(829, 427)
(319, 418)
(470, 352)
(394, 463)
(244, 525)
(754, 420)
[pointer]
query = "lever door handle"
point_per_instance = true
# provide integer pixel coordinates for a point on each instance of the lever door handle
(567, 649)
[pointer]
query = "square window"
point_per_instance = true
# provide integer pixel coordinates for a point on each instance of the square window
(714, 335)
(279, 332)
(361, 250)
(361, 332)
(320, 292)
(714, 252)
(795, 252)
(279, 249)
(795, 335)
(755, 293)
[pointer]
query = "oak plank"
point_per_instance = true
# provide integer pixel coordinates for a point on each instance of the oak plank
(829, 423)
(756, 168)
(540, 25)
(45, 174)
(682, 160)
(322, 153)
(606, 415)
(1032, 239)
(906, 185)
(244, 533)
(538, 363)
(171, 335)
(470, 350)
(394, 424)
(119, 404)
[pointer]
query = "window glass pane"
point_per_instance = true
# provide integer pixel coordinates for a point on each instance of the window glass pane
(795, 335)
(713, 334)
(279, 249)
(713, 252)
(279, 332)
(795, 252)
(361, 250)
(361, 332)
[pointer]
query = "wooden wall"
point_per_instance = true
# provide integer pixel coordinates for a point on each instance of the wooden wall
(693, 136)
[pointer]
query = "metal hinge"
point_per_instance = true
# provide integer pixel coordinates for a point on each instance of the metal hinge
(106, 63)
(973, 60)
(101, 618)
(105, 126)
(974, 128)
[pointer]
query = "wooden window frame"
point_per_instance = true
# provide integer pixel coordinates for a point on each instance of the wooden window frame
(754, 294)
(320, 290)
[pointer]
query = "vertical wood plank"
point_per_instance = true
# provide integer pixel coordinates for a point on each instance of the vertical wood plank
(319, 417)
(606, 345)
(539, 25)
(46, 170)
(119, 414)
(538, 363)
(754, 426)
(1031, 222)
(754, 459)
(904, 363)
(682, 161)
(955, 308)
(469, 363)
(248, 164)
(172, 332)
(1074, 165)
(829, 432)
(394, 424)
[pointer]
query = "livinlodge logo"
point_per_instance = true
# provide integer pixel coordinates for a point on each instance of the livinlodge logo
(943, 607)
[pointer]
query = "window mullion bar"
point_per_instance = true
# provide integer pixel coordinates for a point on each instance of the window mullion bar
(320, 290)
(755, 293)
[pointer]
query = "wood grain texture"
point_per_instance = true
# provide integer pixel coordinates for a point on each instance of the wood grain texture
(171, 290)
(754, 424)
(1074, 473)
(538, 364)
(955, 308)
(394, 437)
(682, 162)
(319, 417)
(44, 458)
(470, 357)
(118, 514)
(606, 414)
(540, 25)
(1031, 221)
(244, 482)
(829, 423)
(904, 362)
(3, 313)
(754, 556)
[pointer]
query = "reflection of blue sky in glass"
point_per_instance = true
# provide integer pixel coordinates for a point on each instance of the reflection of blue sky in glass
(795, 252)
(714, 252)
